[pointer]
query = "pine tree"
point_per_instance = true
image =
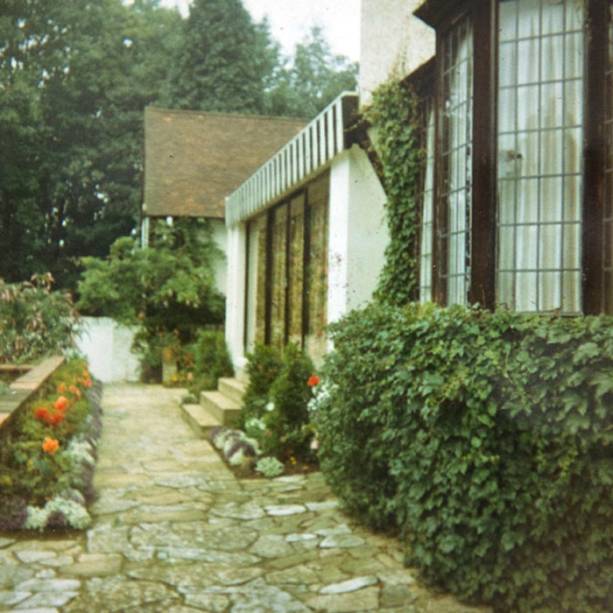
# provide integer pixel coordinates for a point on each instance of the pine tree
(225, 60)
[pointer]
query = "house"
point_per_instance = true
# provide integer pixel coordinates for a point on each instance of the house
(515, 206)
(306, 237)
(307, 231)
(194, 159)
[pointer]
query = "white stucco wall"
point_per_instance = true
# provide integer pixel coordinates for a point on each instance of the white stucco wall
(358, 233)
(393, 43)
(235, 296)
(221, 267)
(107, 347)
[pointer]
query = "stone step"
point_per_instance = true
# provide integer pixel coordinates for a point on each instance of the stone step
(199, 419)
(224, 409)
(232, 388)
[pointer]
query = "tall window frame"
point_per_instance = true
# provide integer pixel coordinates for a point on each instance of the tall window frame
(596, 244)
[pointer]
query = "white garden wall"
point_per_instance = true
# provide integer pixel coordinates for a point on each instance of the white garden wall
(107, 347)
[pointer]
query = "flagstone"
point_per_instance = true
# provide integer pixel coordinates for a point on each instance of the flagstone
(174, 531)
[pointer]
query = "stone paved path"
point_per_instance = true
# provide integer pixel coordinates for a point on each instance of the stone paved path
(175, 532)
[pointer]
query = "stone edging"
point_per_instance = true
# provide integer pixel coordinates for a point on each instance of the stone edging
(23, 388)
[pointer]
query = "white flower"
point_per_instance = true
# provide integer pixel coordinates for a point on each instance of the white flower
(270, 406)
(36, 519)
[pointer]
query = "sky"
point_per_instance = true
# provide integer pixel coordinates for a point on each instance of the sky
(291, 20)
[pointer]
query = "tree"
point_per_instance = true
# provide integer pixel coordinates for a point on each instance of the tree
(167, 288)
(312, 79)
(86, 70)
(225, 60)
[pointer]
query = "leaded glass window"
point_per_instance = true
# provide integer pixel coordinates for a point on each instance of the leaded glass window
(427, 200)
(540, 133)
(456, 157)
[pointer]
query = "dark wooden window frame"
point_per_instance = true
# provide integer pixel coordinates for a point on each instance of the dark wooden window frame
(442, 15)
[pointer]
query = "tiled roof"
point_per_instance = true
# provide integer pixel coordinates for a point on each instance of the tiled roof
(193, 159)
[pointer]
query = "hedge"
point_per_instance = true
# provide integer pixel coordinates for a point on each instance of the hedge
(485, 439)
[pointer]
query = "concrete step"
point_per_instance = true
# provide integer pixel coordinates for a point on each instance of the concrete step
(224, 409)
(199, 419)
(232, 388)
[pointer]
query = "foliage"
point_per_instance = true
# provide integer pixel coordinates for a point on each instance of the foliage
(486, 439)
(212, 360)
(306, 83)
(223, 61)
(263, 367)
(269, 467)
(287, 433)
(47, 452)
(74, 79)
(394, 117)
(167, 288)
(34, 321)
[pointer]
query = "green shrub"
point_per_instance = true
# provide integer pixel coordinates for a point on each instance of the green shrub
(263, 367)
(212, 360)
(34, 321)
(486, 440)
(287, 433)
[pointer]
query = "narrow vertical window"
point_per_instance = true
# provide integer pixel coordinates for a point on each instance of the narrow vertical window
(540, 134)
(456, 157)
(608, 201)
(427, 204)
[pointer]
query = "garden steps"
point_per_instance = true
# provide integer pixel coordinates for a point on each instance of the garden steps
(221, 407)
(199, 419)
(232, 388)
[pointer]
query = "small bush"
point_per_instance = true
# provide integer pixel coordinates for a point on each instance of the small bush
(34, 321)
(287, 433)
(263, 367)
(485, 439)
(212, 361)
(269, 467)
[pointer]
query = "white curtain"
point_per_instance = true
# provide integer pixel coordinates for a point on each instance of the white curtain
(458, 139)
(539, 154)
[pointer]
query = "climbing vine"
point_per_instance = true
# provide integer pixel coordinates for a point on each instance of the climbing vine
(394, 114)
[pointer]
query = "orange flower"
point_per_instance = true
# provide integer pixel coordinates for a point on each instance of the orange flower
(313, 381)
(61, 388)
(75, 391)
(50, 445)
(88, 382)
(61, 404)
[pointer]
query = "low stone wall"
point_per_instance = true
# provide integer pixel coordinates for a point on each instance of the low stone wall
(22, 389)
(107, 346)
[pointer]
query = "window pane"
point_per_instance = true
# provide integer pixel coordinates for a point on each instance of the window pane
(457, 133)
(425, 268)
(546, 126)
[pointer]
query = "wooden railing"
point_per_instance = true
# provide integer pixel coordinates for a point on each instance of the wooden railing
(309, 151)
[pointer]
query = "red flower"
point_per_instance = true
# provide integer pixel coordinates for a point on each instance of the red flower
(42, 414)
(55, 419)
(313, 381)
(87, 382)
(61, 404)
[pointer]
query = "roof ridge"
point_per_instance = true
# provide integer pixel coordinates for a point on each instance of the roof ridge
(151, 107)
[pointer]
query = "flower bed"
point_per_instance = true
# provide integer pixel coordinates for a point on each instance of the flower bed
(47, 454)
